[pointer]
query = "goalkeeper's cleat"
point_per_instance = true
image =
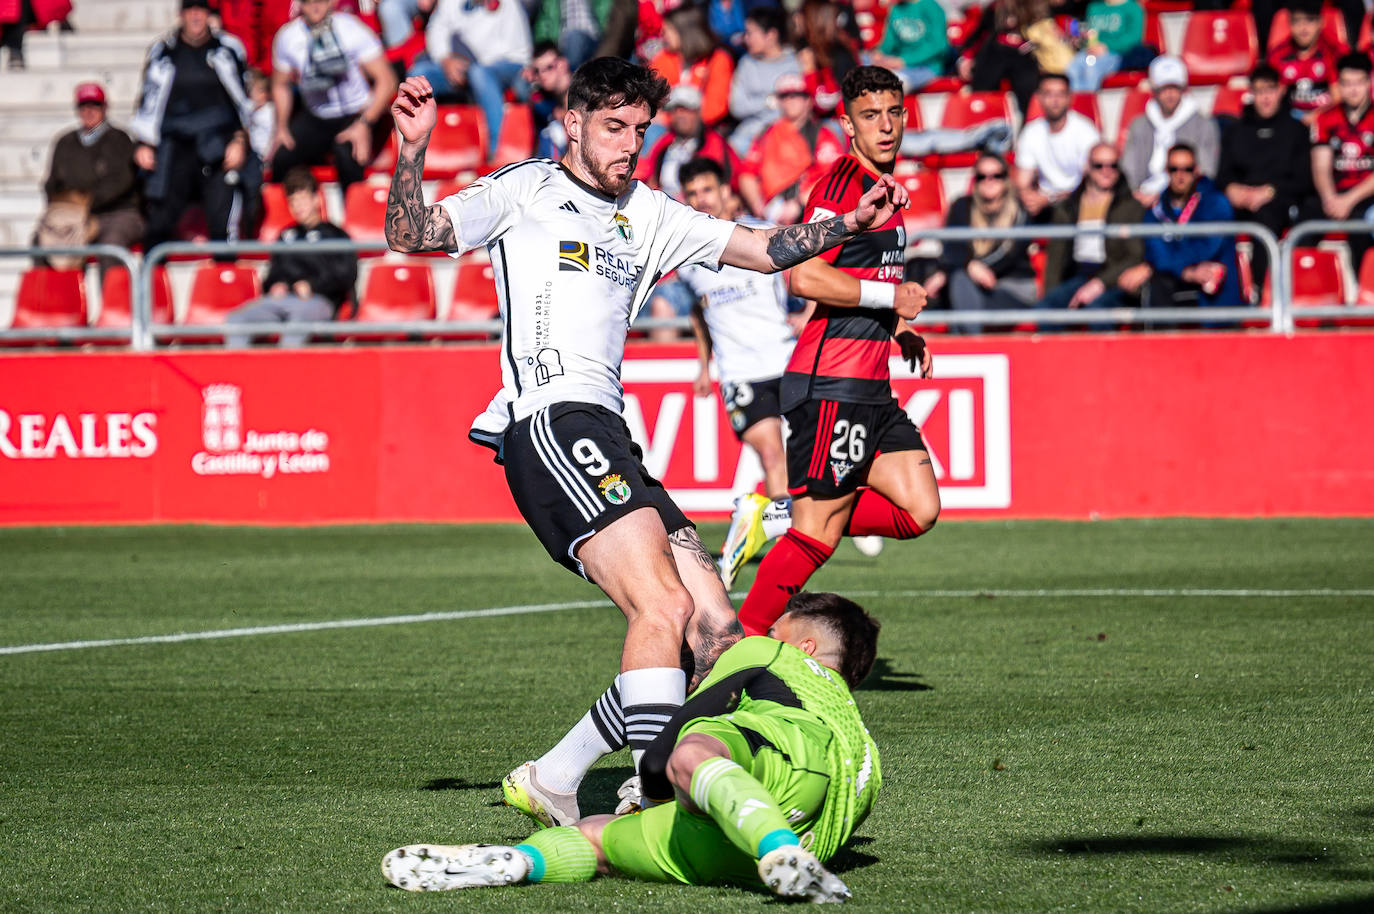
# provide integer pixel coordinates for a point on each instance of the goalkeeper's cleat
(520, 789)
(793, 871)
(441, 867)
(745, 536)
(870, 546)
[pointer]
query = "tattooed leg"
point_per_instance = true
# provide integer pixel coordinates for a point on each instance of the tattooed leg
(714, 625)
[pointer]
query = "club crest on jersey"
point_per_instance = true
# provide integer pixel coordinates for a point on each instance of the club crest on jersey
(614, 489)
(841, 469)
(573, 257)
(624, 229)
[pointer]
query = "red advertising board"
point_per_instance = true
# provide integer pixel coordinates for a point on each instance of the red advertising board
(1060, 426)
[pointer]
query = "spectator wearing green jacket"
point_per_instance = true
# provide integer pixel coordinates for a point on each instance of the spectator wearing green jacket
(915, 45)
(584, 29)
(1113, 36)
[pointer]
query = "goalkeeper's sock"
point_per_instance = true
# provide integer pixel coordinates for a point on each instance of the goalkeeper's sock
(875, 515)
(649, 697)
(560, 854)
(740, 805)
(783, 572)
(601, 731)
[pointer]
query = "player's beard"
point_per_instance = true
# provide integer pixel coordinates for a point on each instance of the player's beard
(608, 183)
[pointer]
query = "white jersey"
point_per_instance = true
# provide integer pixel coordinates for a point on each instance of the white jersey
(746, 313)
(328, 65)
(573, 267)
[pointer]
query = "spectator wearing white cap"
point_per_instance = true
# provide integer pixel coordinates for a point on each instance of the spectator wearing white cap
(1171, 117)
(687, 137)
(95, 163)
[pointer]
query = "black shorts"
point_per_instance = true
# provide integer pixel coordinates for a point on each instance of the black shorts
(573, 470)
(831, 444)
(748, 403)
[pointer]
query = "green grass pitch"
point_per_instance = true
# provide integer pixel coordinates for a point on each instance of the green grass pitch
(1134, 716)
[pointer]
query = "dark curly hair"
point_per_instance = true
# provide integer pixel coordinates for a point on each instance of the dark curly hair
(609, 82)
(862, 80)
(855, 629)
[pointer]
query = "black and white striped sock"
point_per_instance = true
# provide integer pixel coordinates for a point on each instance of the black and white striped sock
(648, 698)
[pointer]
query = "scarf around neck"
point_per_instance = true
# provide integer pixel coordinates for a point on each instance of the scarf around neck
(1166, 131)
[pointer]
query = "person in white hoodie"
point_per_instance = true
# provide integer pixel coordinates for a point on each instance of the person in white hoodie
(482, 46)
(1171, 117)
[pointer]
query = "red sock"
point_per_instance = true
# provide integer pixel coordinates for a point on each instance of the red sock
(874, 515)
(783, 572)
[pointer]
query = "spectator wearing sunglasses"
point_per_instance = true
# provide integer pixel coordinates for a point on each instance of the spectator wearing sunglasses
(1191, 269)
(1171, 116)
(1091, 270)
(989, 273)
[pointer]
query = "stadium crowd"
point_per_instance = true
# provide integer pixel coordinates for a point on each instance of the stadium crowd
(220, 115)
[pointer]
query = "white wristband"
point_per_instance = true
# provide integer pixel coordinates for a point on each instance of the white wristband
(874, 294)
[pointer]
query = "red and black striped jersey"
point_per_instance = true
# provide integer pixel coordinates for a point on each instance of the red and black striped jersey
(842, 352)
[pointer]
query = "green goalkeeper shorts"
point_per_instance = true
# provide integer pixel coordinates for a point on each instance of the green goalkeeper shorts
(669, 844)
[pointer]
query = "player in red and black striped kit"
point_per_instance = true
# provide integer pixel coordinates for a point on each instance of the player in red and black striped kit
(856, 463)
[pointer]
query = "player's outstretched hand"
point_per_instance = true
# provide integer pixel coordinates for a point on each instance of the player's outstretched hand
(414, 109)
(909, 300)
(881, 201)
(915, 351)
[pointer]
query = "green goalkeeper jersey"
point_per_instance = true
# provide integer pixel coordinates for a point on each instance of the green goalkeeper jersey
(785, 695)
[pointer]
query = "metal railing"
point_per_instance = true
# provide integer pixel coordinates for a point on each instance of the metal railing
(144, 334)
(76, 334)
(1275, 317)
(1283, 285)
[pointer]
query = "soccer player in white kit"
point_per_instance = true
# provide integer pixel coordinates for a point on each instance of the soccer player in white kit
(576, 248)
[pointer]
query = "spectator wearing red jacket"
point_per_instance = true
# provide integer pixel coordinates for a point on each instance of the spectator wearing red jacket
(692, 56)
(789, 157)
(687, 137)
(1343, 151)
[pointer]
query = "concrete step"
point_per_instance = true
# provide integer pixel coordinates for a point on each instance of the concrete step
(52, 89)
(124, 15)
(20, 158)
(78, 50)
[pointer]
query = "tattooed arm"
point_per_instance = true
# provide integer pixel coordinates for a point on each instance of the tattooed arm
(771, 250)
(410, 225)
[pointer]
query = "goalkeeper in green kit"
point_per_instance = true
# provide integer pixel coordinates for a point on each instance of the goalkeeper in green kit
(762, 775)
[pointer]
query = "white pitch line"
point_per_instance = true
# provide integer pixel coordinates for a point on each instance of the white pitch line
(587, 604)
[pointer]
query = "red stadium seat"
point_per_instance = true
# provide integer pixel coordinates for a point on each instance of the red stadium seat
(218, 288)
(957, 30)
(969, 109)
(1132, 107)
(515, 142)
(1333, 28)
(459, 142)
(1231, 99)
(1085, 103)
(1153, 33)
(474, 292)
(1318, 278)
(50, 298)
(927, 207)
(1366, 280)
(1218, 45)
(1363, 41)
(913, 113)
(116, 304)
(365, 213)
(398, 292)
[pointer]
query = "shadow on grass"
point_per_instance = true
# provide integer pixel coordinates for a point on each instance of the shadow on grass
(850, 858)
(1316, 860)
(886, 679)
(459, 784)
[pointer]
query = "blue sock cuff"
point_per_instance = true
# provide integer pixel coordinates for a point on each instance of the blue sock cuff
(779, 837)
(536, 873)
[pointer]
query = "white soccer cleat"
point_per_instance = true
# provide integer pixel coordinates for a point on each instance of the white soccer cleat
(520, 790)
(870, 546)
(794, 872)
(442, 867)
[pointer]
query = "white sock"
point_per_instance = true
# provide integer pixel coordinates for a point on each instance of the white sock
(777, 518)
(649, 697)
(601, 731)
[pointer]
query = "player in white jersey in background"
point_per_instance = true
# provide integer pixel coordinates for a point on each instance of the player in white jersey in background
(576, 248)
(739, 318)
